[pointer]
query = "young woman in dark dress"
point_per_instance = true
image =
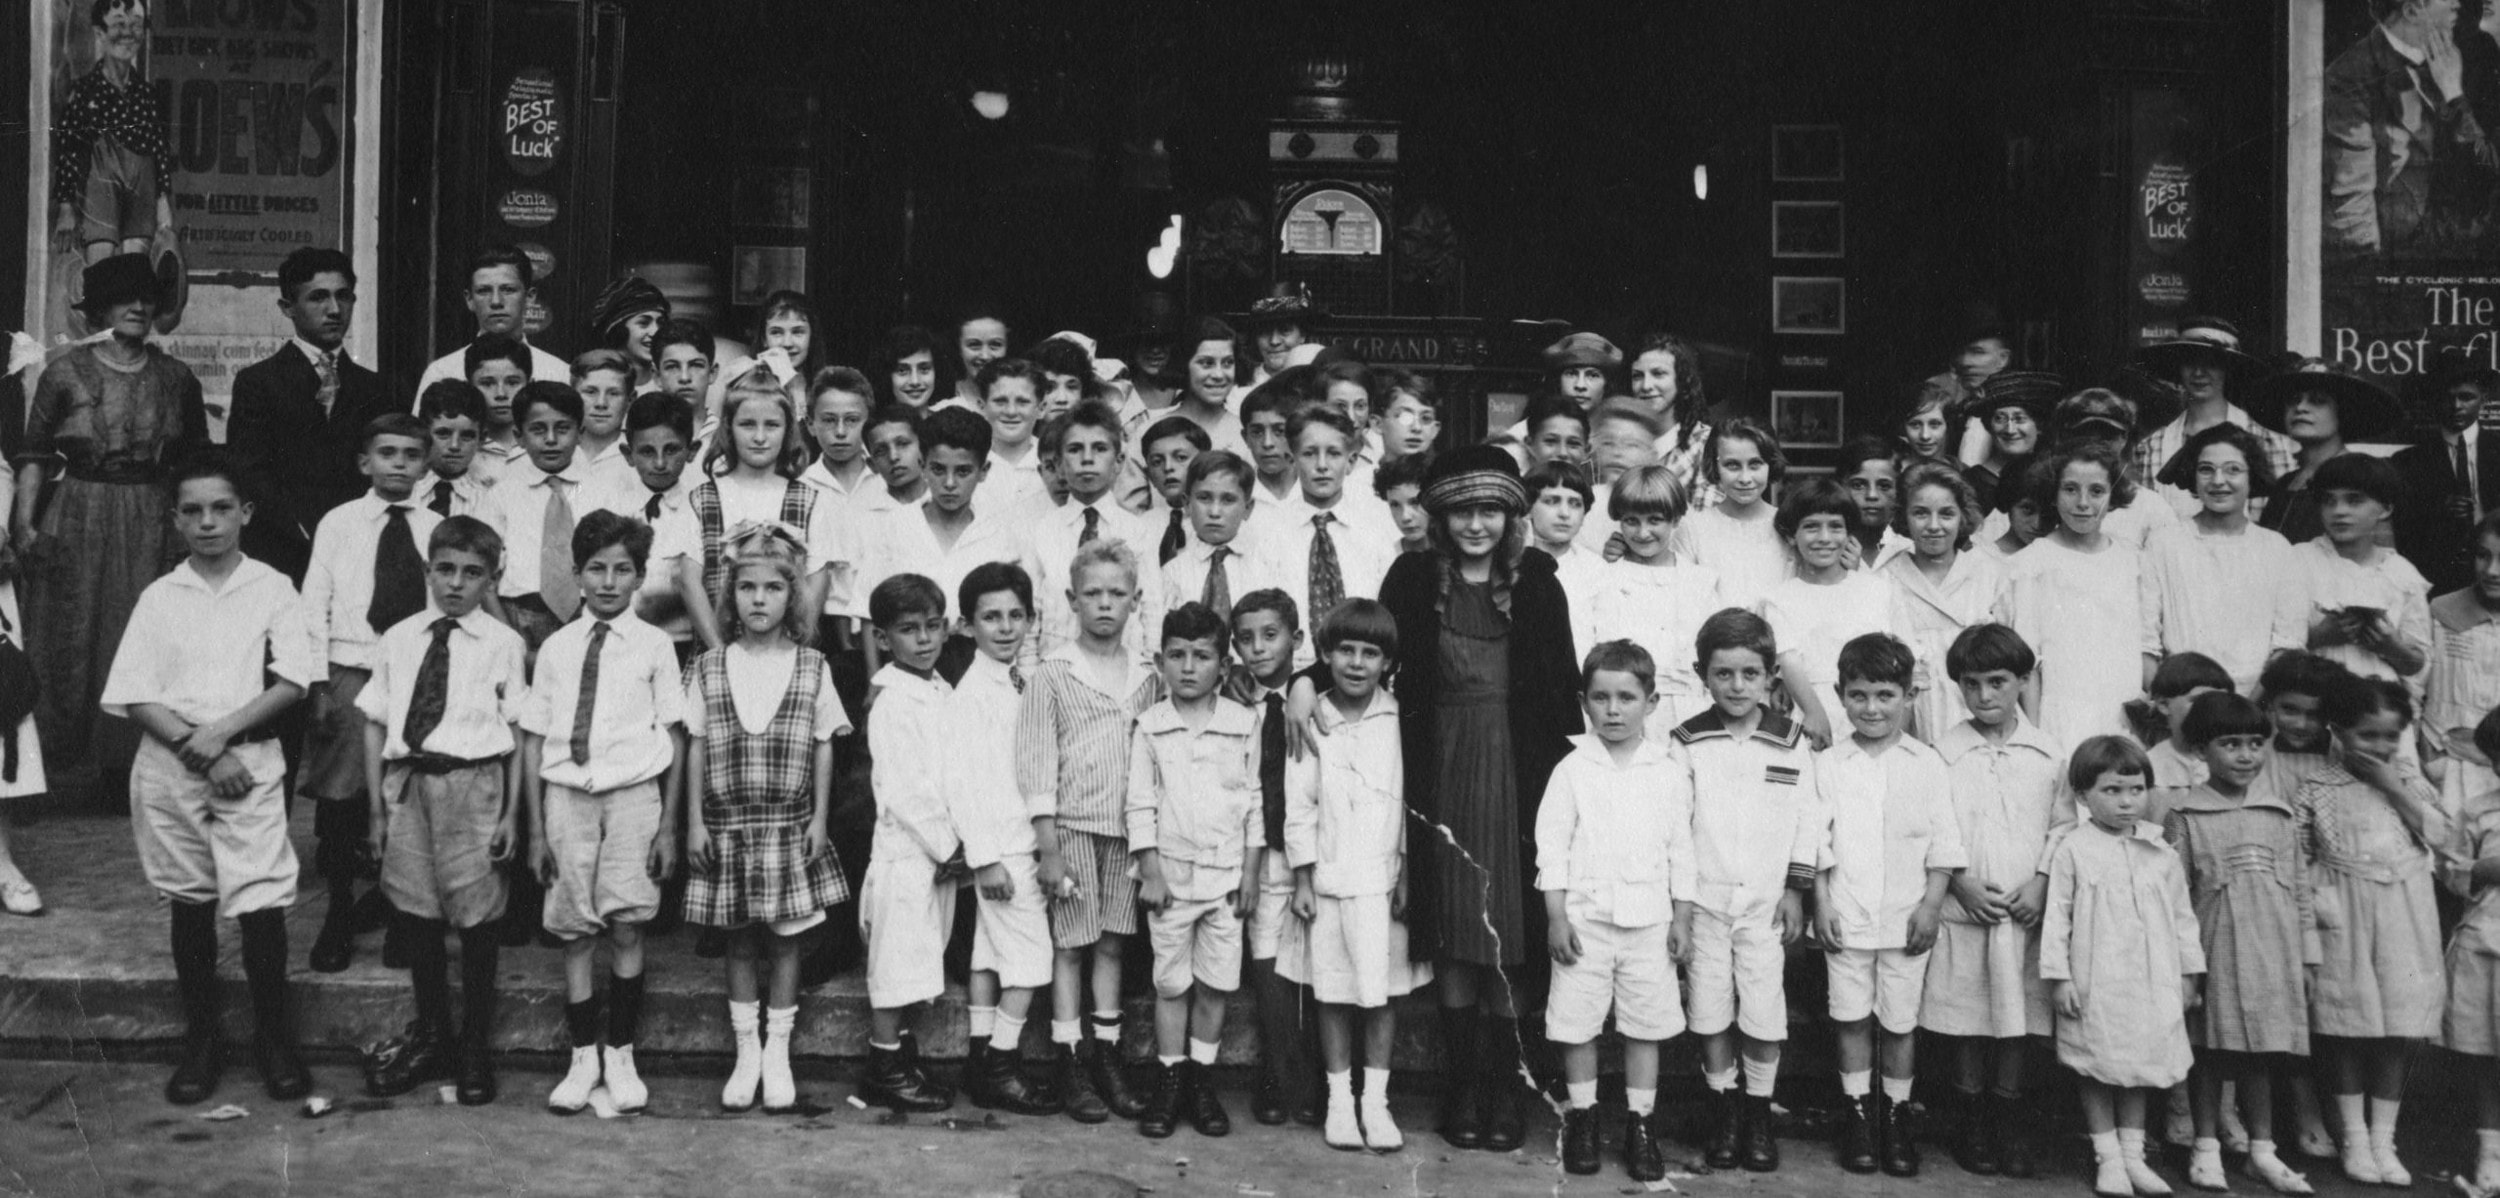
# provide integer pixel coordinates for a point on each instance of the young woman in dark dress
(1488, 696)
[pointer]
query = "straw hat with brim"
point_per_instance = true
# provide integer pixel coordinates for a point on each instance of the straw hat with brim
(2199, 336)
(116, 280)
(2364, 411)
(2034, 391)
(1286, 303)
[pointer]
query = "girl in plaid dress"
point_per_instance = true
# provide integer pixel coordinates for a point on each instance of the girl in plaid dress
(762, 715)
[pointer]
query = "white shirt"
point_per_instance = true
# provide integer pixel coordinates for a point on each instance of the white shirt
(1758, 824)
(606, 467)
(640, 695)
(1366, 548)
(1618, 837)
(900, 541)
(1014, 488)
(1748, 554)
(487, 685)
(202, 651)
(454, 365)
(338, 585)
(839, 512)
(496, 461)
(1813, 620)
(758, 680)
(909, 740)
(1581, 573)
(1193, 795)
(977, 773)
(1661, 609)
(1052, 547)
(1891, 822)
(517, 508)
(468, 494)
(1246, 569)
(2234, 596)
(1345, 801)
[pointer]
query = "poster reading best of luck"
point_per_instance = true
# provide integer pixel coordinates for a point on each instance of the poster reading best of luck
(2409, 229)
(210, 135)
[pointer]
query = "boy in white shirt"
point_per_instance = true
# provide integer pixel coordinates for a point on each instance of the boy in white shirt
(1168, 447)
(907, 897)
(659, 436)
(209, 659)
(1011, 953)
(1011, 399)
(1558, 503)
(1345, 834)
(367, 573)
(604, 378)
(942, 537)
(1088, 462)
(499, 367)
(454, 415)
(1893, 847)
(837, 417)
(534, 509)
(600, 783)
(1327, 546)
(1266, 631)
(1195, 829)
(1757, 829)
(1221, 562)
(1615, 860)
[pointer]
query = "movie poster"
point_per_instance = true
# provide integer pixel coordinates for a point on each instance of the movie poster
(212, 137)
(2397, 121)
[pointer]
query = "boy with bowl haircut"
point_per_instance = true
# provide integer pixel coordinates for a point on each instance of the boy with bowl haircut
(1266, 631)
(1345, 835)
(600, 782)
(534, 508)
(1072, 764)
(1615, 860)
(906, 897)
(892, 441)
(1265, 413)
(209, 660)
(1166, 450)
(1196, 829)
(499, 367)
(442, 716)
(454, 415)
(366, 575)
(1758, 829)
(1087, 460)
(1221, 562)
(1984, 977)
(1011, 953)
(1893, 844)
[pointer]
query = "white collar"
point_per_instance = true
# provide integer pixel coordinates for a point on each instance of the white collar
(314, 353)
(246, 572)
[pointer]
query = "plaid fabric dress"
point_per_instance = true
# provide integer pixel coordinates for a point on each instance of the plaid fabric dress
(798, 501)
(757, 797)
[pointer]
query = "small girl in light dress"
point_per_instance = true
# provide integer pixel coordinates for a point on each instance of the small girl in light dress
(2471, 868)
(1737, 536)
(1940, 588)
(1651, 597)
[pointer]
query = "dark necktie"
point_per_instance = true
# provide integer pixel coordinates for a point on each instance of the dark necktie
(441, 503)
(433, 689)
(584, 703)
(1093, 527)
(1218, 593)
(1016, 676)
(326, 368)
(1174, 537)
(1272, 770)
(398, 573)
(2465, 470)
(651, 508)
(1327, 578)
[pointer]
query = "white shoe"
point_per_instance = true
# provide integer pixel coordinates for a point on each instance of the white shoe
(2234, 1132)
(2205, 1172)
(1342, 1131)
(18, 897)
(2360, 1164)
(573, 1093)
(625, 1086)
(2487, 1175)
(1380, 1129)
(781, 1091)
(2270, 1169)
(2316, 1144)
(738, 1094)
(2109, 1178)
(2142, 1178)
(2391, 1171)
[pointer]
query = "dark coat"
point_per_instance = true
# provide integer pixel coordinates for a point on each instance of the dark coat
(298, 462)
(1544, 713)
(2430, 531)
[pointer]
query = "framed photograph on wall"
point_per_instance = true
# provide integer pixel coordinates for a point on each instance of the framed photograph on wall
(1807, 154)
(1816, 305)
(1806, 419)
(1807, 229)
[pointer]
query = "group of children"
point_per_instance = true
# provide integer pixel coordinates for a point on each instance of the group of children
(1114, 661)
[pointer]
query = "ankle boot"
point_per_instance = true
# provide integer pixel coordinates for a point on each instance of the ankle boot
(572, 1095)
(1163, 1108)
(334, 947)
(1580, 1154)
(1462, 1119)
(890, 1081)
(1761, 1143)
(624, 1081)
(282, 1073)
(2012, 1120)
(1267, 1092)
(1111, 1081)
(1975, 1146)
(1900, 1136)
(930, 1088)
(1859, 1128)
(745, 1077)
(1201, 1103)
(1505, 1123)
(203, 1005)
(1724, 1128)
(1075, 1068)
(995, 1081)
(780, 1089)
(1642, 1160)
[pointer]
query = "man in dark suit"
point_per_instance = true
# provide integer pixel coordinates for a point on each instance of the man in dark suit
(297, 417)
(2408, 168)
(2455, 475)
